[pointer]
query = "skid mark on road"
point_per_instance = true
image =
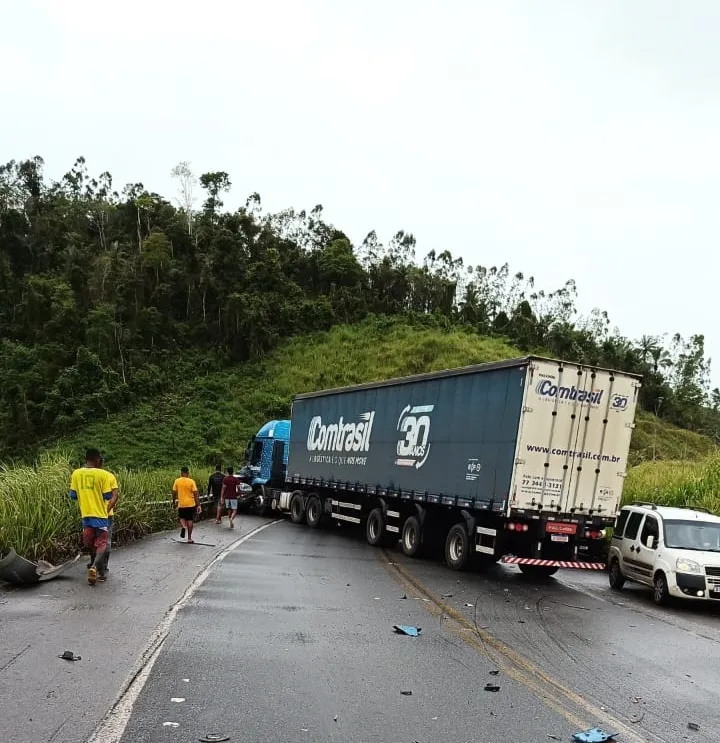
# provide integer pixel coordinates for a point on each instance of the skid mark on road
(573, 707)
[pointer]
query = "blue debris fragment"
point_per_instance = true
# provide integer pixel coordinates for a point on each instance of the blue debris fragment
(594, 735)
(404, 629)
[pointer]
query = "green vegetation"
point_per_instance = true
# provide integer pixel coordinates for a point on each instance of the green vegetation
(695, 484)
(166, 334)
(212, 416)
(113, 299)
(39, 521)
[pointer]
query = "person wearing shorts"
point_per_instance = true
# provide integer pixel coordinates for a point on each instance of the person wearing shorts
(215, 488)
(92, 488)
(229, 495)
(187, 502)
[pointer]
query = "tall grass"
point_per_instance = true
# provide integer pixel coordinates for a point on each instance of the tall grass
(39, 521)
(675, 483)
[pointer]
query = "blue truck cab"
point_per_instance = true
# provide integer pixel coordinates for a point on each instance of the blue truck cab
(267, 454)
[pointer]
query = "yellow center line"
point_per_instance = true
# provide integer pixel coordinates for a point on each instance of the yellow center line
(551, 692)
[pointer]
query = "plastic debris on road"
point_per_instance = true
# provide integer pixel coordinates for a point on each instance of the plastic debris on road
(693, 726)
(404, 629)
(492, 687)
(594, 735)
(406, 693)
(17, 570)
(214, 738)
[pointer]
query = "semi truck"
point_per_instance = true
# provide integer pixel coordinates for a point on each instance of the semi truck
(521, 461)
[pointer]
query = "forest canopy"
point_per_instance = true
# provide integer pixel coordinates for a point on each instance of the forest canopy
(107, 296)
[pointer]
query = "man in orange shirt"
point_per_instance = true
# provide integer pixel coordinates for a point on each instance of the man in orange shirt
(187, 502)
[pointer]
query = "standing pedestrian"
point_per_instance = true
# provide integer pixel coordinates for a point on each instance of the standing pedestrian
(91, 487)
(228, 495)
(215, 484)
(103, 568)
(187, 502)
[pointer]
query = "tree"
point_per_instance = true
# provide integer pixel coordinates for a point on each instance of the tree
(186, 179)
(214, 183)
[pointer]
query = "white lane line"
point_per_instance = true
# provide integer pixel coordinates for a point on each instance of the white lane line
(112, 726)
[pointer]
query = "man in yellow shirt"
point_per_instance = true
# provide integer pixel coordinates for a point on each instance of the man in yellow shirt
(103, 569)
(187, 502)
(91, 487)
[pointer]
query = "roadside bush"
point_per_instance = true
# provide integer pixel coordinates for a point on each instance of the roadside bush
(39, 521)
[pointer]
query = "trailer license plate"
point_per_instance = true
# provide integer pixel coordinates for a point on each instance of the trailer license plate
(559, 538)
(716, 589)
(560, 527)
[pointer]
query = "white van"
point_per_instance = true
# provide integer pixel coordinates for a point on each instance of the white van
(674, 550)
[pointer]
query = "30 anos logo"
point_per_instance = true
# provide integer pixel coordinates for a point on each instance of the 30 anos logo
(619, 402)
(413, 425)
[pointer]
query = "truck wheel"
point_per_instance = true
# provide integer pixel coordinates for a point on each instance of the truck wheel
(297, 509)
(411, 536)
(615, 576)
(457, 547)
(313, 514)
(375, 528)
(660, 589)
(538, 572)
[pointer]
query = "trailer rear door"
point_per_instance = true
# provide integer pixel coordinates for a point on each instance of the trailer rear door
(574, 439)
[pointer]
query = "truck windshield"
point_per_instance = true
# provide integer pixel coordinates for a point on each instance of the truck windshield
(692, 535)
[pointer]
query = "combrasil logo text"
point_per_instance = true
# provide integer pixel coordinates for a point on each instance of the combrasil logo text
(549, 390)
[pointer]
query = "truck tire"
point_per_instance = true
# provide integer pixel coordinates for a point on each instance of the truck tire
(411, 538)
(313, 513)
(297, 509)
(457, 547)
(375, 528)
(538, 572)
(615, 577)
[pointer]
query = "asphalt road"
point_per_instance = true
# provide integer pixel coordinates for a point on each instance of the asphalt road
(288, 637)
(47, 700)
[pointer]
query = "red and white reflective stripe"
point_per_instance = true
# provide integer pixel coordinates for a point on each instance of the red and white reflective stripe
(553, 563)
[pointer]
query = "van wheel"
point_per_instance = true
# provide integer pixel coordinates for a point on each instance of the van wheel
(313, 515)
(660, 590)
(615, 576)
(537, 572)
(411, 536)
(375, 528)
(457, 547)
(297, 509)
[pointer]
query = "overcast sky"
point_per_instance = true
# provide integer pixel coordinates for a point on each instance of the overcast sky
(572, 139)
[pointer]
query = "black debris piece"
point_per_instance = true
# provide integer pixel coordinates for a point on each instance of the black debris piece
(492, 687)
(69, 655)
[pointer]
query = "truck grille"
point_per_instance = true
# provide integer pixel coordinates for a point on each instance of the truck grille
(712, 571)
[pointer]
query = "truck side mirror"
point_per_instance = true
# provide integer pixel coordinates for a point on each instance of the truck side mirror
(650, 542)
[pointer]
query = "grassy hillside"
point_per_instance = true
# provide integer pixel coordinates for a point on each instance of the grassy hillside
(212, 416)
